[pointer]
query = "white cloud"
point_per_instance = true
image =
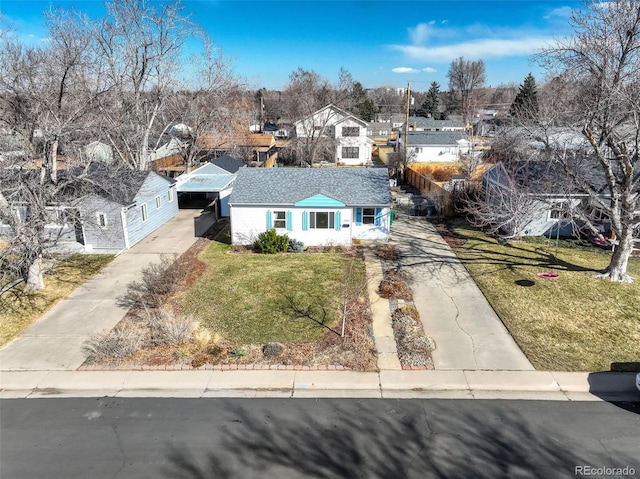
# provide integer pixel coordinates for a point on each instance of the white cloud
(480, 48)
(559, 12)
(420, 33)
(404, 70)
(429, 70)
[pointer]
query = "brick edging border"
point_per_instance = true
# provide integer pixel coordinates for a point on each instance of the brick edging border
(211, 367)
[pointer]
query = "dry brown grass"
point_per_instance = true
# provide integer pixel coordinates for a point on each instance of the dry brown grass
(17, 312)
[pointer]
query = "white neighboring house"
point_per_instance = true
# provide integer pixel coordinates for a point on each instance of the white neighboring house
(431, 146)
(318, 206)
(97, 151)
(352, 147)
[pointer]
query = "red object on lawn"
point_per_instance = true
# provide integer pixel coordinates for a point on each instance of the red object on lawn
(548, 275)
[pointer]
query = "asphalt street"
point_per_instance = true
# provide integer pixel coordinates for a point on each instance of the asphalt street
(327, 438)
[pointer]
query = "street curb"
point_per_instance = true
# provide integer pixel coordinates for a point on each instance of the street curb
(458, 384)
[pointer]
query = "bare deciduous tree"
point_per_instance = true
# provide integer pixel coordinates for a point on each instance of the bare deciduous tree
(601, 60)
(139, 46)
(465, 78)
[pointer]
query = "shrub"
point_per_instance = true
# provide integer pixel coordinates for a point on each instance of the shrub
(387, 252)
(158, 280)
(295, 246)
(394, 286)
(239, 352)
(270, 242)
(167, 328)
(119, 343)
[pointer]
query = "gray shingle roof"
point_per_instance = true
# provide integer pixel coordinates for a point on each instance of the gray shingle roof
(435, 137)
(229, 163)
(287, 186)
(422, 122)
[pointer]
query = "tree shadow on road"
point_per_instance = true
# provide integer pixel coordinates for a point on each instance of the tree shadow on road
(402, 439)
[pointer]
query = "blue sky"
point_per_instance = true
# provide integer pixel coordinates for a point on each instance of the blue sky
(381, 43)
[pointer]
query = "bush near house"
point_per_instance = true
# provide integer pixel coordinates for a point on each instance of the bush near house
(270, 242)
(573, 323)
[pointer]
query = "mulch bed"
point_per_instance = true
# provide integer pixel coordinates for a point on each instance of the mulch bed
(454, 240)
(413, 345)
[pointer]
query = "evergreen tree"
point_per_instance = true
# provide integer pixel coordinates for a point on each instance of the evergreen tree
(431, 104)
(525, 105)
(363, 106)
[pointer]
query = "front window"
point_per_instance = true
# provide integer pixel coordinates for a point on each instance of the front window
(158, 201)
(145, 213)
(368, 216)
(322, 220)
(102, 219)
(350, 152)
(559, 211)
(279, 220)
(350, 131)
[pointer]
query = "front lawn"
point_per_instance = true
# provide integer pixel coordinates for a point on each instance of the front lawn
(17, 312)
(287, 298)
(573, 323)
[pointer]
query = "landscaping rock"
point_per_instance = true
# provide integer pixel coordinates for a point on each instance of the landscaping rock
(271, 350)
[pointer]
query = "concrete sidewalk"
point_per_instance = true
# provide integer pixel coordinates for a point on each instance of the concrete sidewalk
(538, 385)
(467, 332)
(54, 342)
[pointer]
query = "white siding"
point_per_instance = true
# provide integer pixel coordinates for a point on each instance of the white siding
(247, 222)
(373, 232)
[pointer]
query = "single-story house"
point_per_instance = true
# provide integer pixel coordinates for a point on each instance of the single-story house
(204, 186)
(420, 123)
(534, 198)
(108, 209)
(256, 147)
(318, 206)
(425, 146)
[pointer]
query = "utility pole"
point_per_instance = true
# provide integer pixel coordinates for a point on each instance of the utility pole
(406, 133)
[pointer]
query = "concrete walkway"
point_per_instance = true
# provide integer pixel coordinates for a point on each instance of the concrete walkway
(54, 342)
(467, 332)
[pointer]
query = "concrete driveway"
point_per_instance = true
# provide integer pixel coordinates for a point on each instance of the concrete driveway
(467, 332)
(54, 342)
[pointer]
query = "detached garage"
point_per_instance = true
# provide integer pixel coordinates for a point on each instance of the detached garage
(207, 186)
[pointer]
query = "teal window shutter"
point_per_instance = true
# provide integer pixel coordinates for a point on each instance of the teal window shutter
(338, 220)
(378, 216)
(269, 220)
(305, 221)
(358, 216)
(289, 221)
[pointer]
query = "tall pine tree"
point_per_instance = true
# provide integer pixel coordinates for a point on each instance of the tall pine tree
(525, 105)
(431, 105)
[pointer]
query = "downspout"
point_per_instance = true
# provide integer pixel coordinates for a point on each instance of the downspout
(123, 216)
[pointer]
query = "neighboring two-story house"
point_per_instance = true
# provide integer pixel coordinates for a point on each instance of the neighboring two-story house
(347, 133)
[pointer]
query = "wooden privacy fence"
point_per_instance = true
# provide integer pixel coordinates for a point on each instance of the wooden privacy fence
(430, 189)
